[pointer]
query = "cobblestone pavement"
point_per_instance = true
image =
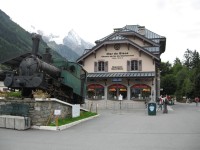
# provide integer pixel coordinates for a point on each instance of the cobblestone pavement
(117, 129)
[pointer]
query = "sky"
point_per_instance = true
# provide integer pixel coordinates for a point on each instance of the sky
(177, 20)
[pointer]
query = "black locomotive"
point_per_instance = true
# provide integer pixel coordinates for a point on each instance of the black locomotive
(62, 79)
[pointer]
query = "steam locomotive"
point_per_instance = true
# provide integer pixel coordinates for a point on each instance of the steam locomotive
(62, 79)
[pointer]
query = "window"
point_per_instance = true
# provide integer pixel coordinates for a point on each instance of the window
(101, 66)
(134, 65)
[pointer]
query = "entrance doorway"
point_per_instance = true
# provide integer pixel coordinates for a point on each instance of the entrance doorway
(95, 91)
(140, 91)
(115, 90)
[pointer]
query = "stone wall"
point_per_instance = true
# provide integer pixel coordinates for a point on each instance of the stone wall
(42, 111)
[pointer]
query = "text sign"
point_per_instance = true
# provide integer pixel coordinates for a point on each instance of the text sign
(57, 112)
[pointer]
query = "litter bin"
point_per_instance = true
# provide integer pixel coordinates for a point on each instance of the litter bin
(151, 108)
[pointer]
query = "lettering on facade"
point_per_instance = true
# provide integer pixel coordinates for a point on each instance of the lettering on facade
(117, 68)
(117, 55)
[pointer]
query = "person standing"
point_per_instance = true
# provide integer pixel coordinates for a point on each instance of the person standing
(196, 100)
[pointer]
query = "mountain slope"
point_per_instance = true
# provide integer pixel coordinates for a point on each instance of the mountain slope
(63, 50)
(14, 40)
(76, 43)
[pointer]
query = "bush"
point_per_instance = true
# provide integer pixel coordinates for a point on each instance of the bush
(14, 94)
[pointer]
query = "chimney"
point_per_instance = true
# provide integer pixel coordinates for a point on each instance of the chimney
(36, 40)
(47, 57)
(141, 30)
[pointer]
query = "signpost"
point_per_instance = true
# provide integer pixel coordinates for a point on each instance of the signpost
(57, 112)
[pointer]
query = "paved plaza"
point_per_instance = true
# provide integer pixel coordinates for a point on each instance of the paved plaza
(128, 128)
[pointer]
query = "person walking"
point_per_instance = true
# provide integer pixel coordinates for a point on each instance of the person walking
(161, 102)
(165, 102)
(196, 100)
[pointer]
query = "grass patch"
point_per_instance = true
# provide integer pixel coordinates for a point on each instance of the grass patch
(64, 121)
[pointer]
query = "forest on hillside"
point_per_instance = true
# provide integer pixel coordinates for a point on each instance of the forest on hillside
(182, 78)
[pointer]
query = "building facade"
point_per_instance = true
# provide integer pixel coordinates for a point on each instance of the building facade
(125, 62)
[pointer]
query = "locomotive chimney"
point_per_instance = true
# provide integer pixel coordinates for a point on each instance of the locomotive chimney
(47, 57)
(36, 41)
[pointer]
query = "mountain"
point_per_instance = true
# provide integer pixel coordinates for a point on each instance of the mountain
(73, 45)
(64, 50)
(15, 41)
(76, 43)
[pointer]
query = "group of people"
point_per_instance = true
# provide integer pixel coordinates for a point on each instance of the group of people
(196, 100)
(163, 102)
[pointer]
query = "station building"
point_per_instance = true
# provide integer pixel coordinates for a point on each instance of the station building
(124, 62)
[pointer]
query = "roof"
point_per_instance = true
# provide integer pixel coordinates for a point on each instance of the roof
(135, 28)
(120, 74)
(158, 42)
(117, 39)
(148, 34)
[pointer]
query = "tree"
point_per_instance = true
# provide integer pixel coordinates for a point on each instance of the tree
(165, 68)
(195, 60)
(168, 84)
(187, 88)
(197, 85)
(188, 58)
(177, 66)
(183, 78)
(177, 61)
(180, 77)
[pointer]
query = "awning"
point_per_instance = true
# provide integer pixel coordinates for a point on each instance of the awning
(121, 75)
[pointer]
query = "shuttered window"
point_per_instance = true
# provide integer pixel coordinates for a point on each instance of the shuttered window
(134, 65)
(101, 66)
(140, 65)
(95, 66)
(128, 66)
(106, 66)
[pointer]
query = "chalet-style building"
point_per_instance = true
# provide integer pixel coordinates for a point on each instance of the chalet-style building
(125, 62)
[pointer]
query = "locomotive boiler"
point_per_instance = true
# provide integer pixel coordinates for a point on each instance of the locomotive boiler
(62, 79)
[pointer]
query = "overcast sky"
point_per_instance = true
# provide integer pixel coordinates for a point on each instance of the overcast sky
(177, 20)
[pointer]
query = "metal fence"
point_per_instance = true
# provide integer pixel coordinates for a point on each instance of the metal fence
(115, 105)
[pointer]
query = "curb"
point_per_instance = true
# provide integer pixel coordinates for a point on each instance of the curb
(59, 128)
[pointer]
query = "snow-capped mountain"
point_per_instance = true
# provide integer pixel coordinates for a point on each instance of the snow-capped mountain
(76, 43)
(71, 46)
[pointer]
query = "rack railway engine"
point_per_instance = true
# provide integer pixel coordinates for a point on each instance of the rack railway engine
(63, 80)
